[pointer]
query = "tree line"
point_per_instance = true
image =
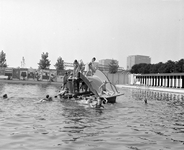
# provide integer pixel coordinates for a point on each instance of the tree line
(44, 63)
(168, 67)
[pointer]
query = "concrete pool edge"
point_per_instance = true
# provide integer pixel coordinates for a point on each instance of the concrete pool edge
(161, 89)
(30, 82)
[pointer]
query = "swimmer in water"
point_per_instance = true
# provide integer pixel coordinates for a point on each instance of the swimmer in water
(5, 96)
(145, 101)
(99, 103)
(46, 99)
(96, 104)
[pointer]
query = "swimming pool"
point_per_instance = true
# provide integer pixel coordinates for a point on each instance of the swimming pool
(66, 124)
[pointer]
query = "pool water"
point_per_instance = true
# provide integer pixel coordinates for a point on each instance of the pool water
(129, 124)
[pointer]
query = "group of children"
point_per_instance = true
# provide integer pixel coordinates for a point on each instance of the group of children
(79, 67)
(91, 101)
(87, 70)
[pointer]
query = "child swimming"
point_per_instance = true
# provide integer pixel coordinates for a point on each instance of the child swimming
(46, 99)
(97, 103)
(5, 96)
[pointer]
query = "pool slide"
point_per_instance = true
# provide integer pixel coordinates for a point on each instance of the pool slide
(95, 81)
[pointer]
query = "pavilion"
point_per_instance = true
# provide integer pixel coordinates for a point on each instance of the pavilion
(169, 80)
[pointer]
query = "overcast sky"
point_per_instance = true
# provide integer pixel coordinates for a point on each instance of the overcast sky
(82, 29)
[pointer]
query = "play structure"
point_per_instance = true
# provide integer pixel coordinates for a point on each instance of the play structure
(91, 87)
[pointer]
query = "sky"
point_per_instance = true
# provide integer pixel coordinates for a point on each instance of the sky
(82, 29)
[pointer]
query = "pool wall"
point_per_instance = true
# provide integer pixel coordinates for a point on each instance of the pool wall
(163, 89)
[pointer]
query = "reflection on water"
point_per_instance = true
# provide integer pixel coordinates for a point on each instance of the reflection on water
(172, 98)
(129, 124)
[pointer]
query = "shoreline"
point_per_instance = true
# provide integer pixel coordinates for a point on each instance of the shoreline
(161, 89)
(29, 82)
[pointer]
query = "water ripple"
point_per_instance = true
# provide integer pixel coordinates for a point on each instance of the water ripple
(129, 124)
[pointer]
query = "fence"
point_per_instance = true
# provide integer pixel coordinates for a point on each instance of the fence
(122, 77)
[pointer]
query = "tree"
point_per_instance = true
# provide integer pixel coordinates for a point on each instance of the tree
(59, 64)
(3, 59)
(161, 68)
(135, 68)
(153, 68)
(44, 61)
(142, 68)
(113, 66)
(180, 65)
(170, 67)
(147, 68)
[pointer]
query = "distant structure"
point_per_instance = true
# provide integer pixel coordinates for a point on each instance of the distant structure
(106, 62)
(23, 64)
(103, 64)
(137, 59)
(96, 64)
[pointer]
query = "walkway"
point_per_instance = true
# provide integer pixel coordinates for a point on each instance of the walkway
(163, 89)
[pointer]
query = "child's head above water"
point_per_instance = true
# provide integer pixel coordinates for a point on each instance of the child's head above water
(47, 96)
(99, 100)
(5, 96)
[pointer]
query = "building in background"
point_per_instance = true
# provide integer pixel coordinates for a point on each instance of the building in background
(103, 64)
(106, 62)
(96, 64)
(137, 59)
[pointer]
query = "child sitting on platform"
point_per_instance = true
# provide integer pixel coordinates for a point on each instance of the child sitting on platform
(103, 89)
